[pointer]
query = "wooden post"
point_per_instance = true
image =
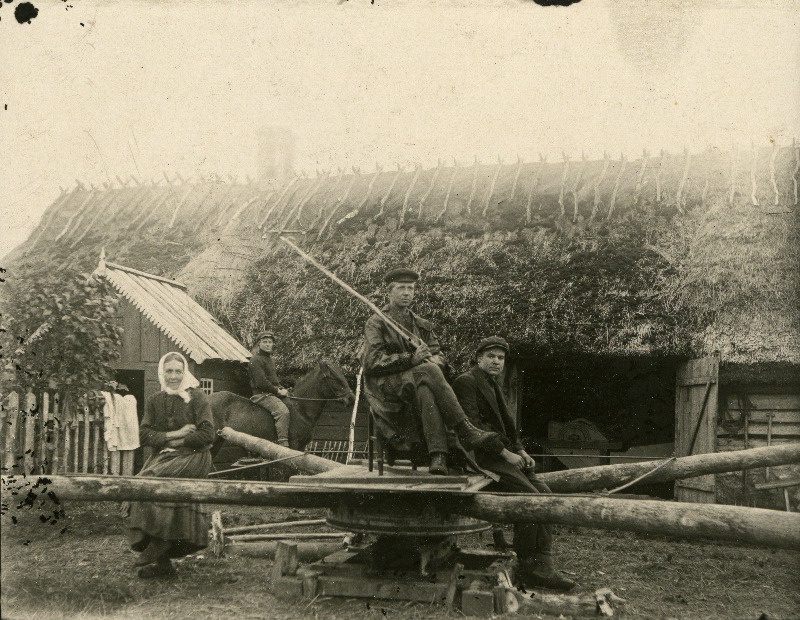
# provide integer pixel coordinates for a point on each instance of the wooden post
(97, 442)
(217, 535)
(637, 192)
(449, 190)
(492, 186)
(45, 435)
(682, 184)
(796, 150)
(753, 169)
(623, 161)
(336, 206)
(772, 172)
(734, 162)
(75, 423)
(452, 600)
(86, 439)
(430, 188)
(12, 420)
(563, 184)
(596, 205)
(283, 193)
(659, 174)
(516, 179)
(30, 432)
(575, 185)
(57, 443)
(285, 564)
(474, 185)
(533, 186)
(389, 191)
(354, 212)
(417, 172)
(67, 425)
(351, 440)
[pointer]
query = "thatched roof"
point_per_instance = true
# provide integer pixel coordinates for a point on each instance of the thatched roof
(643, 257)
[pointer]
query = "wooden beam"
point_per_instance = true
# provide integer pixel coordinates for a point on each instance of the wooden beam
(760, 526)
(607, 476)
(681, 520)
(305, 463)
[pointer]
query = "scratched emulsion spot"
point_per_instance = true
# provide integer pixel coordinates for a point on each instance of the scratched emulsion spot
(25, 12)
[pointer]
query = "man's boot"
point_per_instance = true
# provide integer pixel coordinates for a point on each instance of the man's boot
(538, 572)
(471, 436)
(438, 464)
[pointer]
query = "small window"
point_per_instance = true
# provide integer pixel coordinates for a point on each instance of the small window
(207, 386)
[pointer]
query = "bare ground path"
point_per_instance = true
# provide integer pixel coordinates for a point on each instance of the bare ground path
(86, 572)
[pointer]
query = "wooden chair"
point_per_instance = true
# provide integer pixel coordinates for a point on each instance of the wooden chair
(378, 450)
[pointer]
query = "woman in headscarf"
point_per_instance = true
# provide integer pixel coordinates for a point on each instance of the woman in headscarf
(178, 425)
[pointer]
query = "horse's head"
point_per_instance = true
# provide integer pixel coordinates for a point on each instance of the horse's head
(335, 383)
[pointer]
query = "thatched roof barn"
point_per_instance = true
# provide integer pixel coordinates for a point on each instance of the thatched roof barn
(669, 254)
(603, 275)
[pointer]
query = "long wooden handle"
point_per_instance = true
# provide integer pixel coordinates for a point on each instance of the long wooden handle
(415, 340)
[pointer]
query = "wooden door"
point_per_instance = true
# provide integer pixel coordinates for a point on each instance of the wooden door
(696, 423)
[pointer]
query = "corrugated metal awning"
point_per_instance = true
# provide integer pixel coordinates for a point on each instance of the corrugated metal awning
(167, 304)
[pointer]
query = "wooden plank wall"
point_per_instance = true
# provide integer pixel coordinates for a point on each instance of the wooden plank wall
(744, 422)
(332, 432)
(42, 435)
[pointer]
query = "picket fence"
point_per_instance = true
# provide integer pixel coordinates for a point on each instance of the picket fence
(43, 435)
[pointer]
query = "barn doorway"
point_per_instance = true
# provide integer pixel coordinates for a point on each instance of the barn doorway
(595, 410)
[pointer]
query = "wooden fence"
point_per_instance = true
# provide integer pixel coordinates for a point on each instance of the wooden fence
(43, 435)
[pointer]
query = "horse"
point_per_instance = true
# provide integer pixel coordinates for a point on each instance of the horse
(324, 383)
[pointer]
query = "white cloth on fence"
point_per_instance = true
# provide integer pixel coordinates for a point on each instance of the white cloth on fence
(121, 422)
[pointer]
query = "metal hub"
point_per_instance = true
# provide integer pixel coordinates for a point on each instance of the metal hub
(401, 517)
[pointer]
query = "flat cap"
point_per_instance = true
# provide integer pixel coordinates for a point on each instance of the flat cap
(265, 334)
(490, 342)
(401, 274)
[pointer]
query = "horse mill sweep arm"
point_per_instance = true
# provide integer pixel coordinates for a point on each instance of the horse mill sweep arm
(402, 331)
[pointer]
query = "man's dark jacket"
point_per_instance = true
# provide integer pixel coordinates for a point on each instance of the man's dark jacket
(263, 376)
(485, 406)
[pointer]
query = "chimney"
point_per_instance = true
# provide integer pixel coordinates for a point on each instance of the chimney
(275, 154)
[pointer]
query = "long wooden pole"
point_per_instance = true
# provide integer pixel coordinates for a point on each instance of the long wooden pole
(742, 525)
(334, 278)
(351, 440)
(608, 476)
(771, 528)
(305, 463)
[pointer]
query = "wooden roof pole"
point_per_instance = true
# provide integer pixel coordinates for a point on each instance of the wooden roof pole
(402, 331)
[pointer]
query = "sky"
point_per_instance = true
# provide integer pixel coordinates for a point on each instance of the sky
(93, 90)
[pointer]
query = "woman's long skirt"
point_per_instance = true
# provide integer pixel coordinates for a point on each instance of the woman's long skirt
(185, 526)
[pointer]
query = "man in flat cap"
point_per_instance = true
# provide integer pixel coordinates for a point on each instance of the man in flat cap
(403, 380)
(483, 401)
(267, 388)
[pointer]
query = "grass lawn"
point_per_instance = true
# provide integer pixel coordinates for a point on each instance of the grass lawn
(85, 571)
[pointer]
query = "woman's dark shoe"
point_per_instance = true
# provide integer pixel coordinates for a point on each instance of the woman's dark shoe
(162, 568)
(155, 550)
(438, 464)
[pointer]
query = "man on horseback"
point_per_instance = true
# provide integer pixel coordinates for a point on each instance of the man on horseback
(267, 389)
(403, 379)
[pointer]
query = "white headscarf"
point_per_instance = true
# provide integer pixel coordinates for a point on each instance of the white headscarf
(188, 381)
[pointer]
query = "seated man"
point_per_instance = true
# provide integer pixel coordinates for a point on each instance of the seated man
(484, 403)
(400, 377)
(267, 388)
